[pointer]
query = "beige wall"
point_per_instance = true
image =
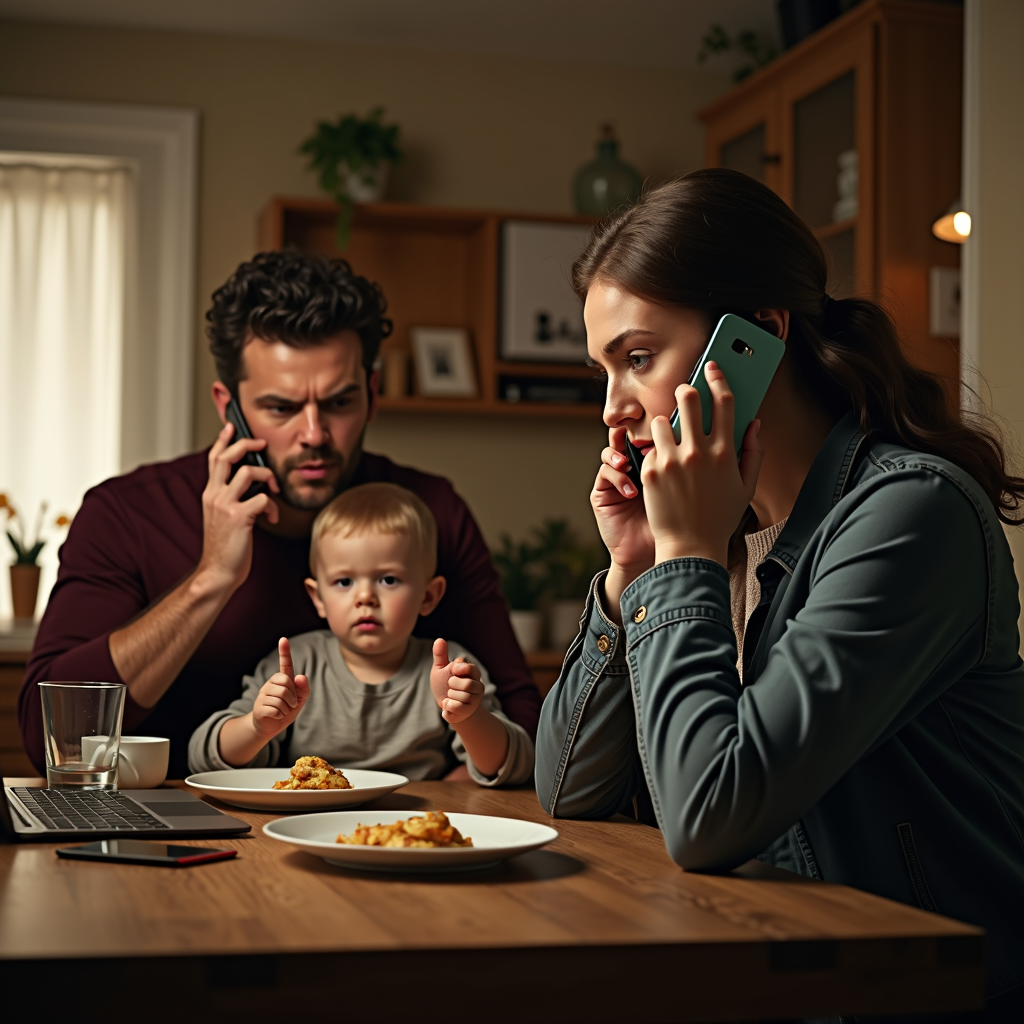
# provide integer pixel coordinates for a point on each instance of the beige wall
(479, 131)
(993, 256)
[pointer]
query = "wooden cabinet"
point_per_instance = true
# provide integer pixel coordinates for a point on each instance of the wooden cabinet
(884, 80)
(438, 268)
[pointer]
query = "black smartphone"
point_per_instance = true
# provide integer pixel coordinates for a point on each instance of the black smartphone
(134, 851)
(234, 415)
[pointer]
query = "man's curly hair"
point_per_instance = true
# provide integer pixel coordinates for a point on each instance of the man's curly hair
(297, 298)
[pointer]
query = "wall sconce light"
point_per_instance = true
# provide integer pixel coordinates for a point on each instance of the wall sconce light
(954, 225)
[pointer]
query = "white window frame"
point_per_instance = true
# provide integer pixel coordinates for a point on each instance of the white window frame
(157, 377)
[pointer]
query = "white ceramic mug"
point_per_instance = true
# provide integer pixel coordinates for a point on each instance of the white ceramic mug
(141, 760)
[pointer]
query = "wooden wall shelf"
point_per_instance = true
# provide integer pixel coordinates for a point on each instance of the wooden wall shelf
(438, 267)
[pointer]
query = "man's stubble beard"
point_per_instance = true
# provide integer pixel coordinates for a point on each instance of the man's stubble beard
(322, 496)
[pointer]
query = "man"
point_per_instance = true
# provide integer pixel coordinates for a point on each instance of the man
(175, 583)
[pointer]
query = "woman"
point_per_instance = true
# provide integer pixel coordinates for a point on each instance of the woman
(811, 656)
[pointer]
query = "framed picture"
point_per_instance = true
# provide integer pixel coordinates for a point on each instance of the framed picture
(444, 366)
(541, 318)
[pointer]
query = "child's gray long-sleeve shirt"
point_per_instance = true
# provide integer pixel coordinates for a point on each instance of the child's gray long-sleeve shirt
(394, 726)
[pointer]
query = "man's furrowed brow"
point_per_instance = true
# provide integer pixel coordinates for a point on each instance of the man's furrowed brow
(617, 341)
(276, 400)
(343, 392)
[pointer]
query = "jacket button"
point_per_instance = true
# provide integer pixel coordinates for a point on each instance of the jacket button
(603, 644)
(640, 614)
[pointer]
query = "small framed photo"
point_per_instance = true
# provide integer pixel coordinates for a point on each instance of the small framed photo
(444, 365)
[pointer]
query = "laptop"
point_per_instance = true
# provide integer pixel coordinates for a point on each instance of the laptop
(52, 815)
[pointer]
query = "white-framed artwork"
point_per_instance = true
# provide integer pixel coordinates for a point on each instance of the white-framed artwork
(444, 365)
(541, 317)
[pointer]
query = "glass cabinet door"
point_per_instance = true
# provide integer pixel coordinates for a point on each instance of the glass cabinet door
(827, 113)
(826, 174)
(746, 153)
(823, 131)
(746, 138)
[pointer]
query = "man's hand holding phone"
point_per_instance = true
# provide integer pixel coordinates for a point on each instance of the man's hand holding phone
(228, 517)
(150, 651)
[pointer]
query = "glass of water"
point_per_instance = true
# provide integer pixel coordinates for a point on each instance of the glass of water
(82, 731)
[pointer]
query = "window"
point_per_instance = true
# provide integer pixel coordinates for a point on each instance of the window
(97, 214)
(66, 226)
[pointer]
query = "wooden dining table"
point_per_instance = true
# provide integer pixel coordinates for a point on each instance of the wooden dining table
(598, 926)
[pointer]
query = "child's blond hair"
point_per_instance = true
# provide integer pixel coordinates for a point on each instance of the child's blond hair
(377, 508)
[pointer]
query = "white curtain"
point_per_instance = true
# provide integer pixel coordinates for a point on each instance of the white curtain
(66, 233)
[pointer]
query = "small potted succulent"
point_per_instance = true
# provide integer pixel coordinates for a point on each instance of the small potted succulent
(27, 549)
(567, 569)
(517, 565)
(352, 157)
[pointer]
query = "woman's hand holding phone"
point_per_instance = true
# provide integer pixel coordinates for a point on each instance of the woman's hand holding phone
(694, 490)
(621, 520)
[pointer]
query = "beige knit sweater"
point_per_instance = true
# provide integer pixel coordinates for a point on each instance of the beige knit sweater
(744, 588)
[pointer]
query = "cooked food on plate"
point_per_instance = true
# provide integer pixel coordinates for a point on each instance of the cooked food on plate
(314, 773)
(433, 829)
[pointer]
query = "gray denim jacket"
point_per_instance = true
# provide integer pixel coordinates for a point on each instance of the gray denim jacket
(879, 739)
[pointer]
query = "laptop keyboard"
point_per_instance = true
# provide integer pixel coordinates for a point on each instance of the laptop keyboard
(92, 810)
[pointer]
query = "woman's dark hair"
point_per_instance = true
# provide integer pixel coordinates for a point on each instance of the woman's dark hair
(297, 298)
(717, 241)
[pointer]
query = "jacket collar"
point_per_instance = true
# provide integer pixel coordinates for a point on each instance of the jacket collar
(825, 485)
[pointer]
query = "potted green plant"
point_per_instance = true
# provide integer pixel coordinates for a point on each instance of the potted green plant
(25, 570)
(352, 157)
(567, 569)
(517, 564)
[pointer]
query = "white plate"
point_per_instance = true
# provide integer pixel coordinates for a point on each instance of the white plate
(254, 787)
(494, 839)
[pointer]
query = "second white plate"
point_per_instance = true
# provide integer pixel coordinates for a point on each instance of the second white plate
(254, 787)
(494, 839)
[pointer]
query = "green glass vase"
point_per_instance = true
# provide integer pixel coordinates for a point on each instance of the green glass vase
(607, 183)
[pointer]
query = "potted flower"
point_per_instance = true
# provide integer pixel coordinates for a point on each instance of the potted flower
(516, 563)
(25, 570)
(567, 568)
(353, 156)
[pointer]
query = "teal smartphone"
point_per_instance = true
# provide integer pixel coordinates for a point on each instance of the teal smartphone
(749, 357)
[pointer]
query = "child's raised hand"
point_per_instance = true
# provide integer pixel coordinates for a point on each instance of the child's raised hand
(281, 697)
(455, 684)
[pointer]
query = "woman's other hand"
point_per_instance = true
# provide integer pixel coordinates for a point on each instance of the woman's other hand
(695, 491)
(621, 519)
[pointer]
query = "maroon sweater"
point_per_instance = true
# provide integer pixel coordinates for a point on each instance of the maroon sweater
(137, 536)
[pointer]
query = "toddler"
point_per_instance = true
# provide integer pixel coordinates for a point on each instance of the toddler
(366, 693)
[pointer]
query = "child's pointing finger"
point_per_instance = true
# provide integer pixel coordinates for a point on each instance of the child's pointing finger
(284, 653)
